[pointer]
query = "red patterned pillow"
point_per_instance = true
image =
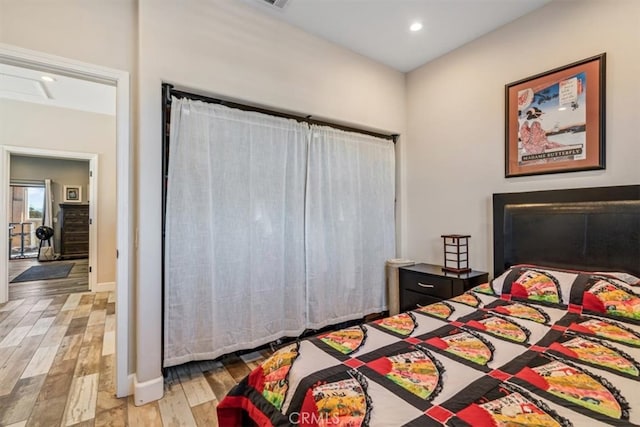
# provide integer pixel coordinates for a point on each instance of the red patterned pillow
(552, 286)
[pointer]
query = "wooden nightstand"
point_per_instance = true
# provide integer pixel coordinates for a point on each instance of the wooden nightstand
(423, 284)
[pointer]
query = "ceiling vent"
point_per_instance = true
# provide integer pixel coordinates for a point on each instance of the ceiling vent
(280, 4)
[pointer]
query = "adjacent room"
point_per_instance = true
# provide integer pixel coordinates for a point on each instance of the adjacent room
(49, 253)
(319, 212)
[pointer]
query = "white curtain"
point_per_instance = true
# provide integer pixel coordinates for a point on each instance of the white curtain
(48, 206)
(272, 227)
(234, 252)
(46, 253)
(350, 224)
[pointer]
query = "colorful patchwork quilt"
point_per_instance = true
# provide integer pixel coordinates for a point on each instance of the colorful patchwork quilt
(536, 347)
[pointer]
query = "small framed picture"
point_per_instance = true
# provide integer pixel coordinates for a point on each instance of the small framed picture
(73, 193)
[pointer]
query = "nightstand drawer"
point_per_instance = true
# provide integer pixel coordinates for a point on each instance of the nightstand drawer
(412, 300)
(428, 285)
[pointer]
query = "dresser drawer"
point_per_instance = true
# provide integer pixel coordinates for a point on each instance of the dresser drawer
(76, 248)
(438, 287)
(77, 214)
(71, 237)
(76, 222)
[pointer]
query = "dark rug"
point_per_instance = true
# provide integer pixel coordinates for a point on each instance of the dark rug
(44, 272)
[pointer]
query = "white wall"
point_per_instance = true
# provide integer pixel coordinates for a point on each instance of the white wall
(98, 32)
(31, 125)
(455, 104)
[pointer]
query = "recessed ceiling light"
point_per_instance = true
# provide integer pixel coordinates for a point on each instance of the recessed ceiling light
(48, 79)
(416, 26)
(562, 108)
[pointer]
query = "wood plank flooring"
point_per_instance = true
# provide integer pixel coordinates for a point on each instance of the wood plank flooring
(57, 367)
(76, 281)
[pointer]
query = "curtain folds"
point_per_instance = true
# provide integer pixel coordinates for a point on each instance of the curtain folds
(350, 225)
(234, 263)
(272, 227)
(48, 214)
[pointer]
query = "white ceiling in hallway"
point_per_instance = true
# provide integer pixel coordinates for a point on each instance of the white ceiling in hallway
(24, 84)
(379, 29)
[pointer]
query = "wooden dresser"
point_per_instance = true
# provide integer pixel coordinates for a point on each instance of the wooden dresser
(74, 230)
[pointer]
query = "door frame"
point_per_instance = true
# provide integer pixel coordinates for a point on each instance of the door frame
(124, 243)
(5, 157)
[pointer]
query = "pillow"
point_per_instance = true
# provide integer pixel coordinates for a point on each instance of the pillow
(608, 294)
(625, 277)
(605, 295)
(536, 284)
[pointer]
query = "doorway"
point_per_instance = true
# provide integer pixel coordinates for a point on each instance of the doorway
(50, 233)
(124, 216)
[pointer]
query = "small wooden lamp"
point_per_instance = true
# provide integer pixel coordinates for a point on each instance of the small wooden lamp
(456, 253)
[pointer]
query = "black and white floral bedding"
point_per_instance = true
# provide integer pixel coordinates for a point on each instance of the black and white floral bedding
(536, 346)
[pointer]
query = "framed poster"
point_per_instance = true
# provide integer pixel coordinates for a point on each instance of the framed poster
(554, 121)
(73, 193)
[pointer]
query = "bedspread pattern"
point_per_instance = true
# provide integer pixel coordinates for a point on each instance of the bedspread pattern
(475, 360)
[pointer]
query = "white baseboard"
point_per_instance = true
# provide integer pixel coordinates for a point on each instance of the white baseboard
(104, 287)
(148, 391)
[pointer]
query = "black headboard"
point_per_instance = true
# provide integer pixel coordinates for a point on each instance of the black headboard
(584, 229)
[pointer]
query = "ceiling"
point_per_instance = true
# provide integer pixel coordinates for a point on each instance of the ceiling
(379, 29)
(23, 84)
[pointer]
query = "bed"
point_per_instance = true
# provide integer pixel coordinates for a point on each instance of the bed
(552, 340)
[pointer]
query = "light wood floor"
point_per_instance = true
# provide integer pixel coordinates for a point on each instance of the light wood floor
(76, 281)
(57, 369)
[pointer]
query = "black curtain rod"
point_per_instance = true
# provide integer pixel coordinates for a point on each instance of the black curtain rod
(171, 91)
